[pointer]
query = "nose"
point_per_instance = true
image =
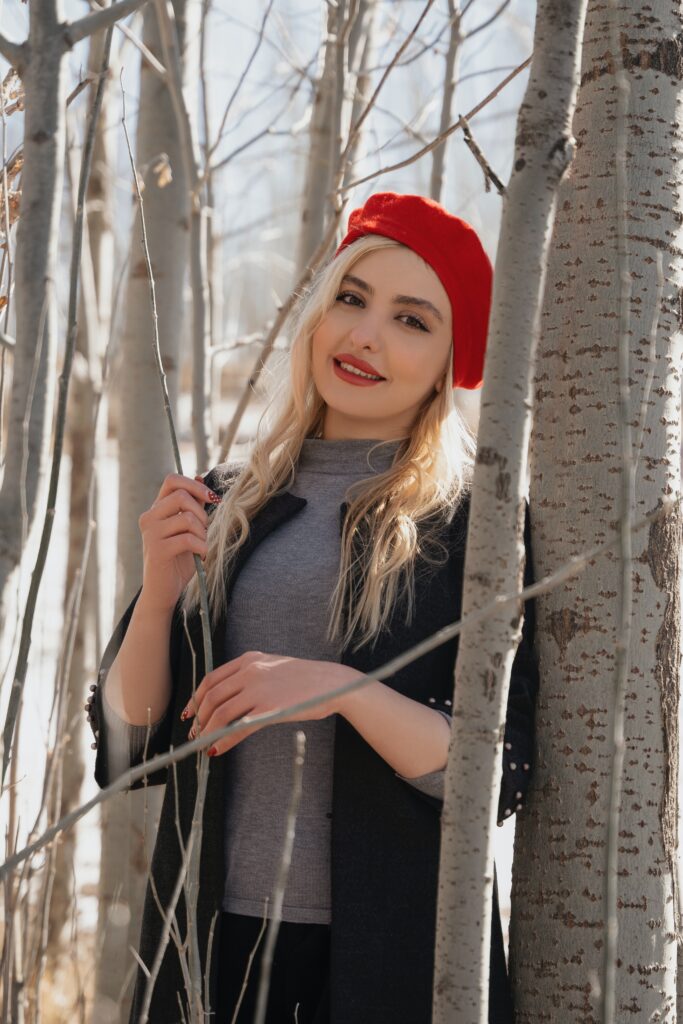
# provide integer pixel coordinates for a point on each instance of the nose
(365, 331)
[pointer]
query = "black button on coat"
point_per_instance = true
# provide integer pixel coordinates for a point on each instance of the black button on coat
(385, 832)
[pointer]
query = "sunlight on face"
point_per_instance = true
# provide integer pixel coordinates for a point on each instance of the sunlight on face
(393, 314)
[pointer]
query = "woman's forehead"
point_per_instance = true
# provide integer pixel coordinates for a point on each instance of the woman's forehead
(400, 271)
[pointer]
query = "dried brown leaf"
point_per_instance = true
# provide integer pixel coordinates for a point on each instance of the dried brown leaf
(162, 169)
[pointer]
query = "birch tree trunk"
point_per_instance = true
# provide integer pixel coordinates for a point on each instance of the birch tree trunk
(361, 55)
(41, 62)
(42, 70)
(558, 908)
(93, 331)
(319, 168)
(495, 548)
(450, 76)
(182, 63)
(145, 457)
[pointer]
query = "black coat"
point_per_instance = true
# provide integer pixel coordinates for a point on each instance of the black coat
(385, 833)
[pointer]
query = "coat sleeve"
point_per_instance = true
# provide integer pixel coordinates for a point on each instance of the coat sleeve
(127, 746)
(120, 745)
(518, 742)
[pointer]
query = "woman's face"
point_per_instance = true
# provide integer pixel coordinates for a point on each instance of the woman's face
(393, 314)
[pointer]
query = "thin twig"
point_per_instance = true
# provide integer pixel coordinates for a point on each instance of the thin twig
(489, 21)
(281, 881)
(252, 954)
(165, 930)
(489, 173)
(443, 135)
(355, 128)
(240, 82)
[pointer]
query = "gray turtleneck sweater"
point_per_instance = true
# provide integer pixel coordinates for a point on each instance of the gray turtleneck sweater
(280, 605)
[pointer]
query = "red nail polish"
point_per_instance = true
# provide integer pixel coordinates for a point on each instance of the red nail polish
(184, 714)
(214, 499)
(211, 752)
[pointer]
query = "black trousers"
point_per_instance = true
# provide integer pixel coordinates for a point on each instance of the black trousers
(299, 990)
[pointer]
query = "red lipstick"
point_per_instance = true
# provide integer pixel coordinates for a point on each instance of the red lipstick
(346, 357)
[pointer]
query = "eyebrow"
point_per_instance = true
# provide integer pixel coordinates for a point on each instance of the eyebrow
(410, 300)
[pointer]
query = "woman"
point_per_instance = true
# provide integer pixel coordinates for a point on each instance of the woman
(339, 545)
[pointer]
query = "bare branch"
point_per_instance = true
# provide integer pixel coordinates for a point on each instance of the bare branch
(281, 880)
(489, 21)
(444, 135)
(489, 173)
(355, 128)
(76, 30)
(240, 83)
(14, 53)
(147, 55)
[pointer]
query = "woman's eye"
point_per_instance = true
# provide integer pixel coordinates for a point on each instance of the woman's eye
(347, 295)
(420, 323)
(417, 322)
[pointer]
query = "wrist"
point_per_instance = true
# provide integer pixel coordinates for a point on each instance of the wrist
(148, 607)
(347, 703)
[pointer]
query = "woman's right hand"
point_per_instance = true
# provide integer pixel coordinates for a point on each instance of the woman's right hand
(173, 530)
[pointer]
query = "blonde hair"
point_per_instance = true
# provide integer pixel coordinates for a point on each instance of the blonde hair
(430, 471)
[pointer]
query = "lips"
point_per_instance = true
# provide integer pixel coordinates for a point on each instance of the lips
(360, 364)
(354, 378)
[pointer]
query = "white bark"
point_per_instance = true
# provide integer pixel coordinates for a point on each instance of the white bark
(183, 75)
(41, 61)
(93, 332)
(145, 458)
(558, 909)
(362, 50)
(450, 75)
(98, 21)
(495, 550)
(318, 170)
(35, 271)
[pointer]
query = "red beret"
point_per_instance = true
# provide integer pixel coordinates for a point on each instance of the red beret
(453, 250)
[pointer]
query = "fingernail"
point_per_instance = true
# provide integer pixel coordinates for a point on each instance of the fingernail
(185, 713)
(211, 752)
(214, 498)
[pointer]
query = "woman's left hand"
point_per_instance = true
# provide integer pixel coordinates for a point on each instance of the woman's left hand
(256, 683)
